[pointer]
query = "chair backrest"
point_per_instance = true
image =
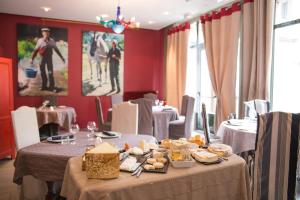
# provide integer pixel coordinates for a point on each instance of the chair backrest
(276, 155)
(190, 103)
(25, 125)
(184, 105)
(262, 106)
(116, 99)
(205, 124)
(151, 96)
(99, 113)
(145, 118)
(125, 118)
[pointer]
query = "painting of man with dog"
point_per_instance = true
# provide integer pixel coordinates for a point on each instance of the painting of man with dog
(42, 60)
(102, 63)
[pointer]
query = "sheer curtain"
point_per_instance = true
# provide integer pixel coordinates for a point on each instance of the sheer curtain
(221, 34)
(176, 63)
(257, 32)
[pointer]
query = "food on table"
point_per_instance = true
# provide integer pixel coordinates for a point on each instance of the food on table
(129, 164)
(126, 146)
(151, 160)
(166, 143)
(176, 155)
(205, 156)
(157, 154)
(162, 160)
(158, 165)
(136, 151)
(102, 162)
(149, 167)
(179, 150)
(197, 139)
(147, 146)
(221, 150)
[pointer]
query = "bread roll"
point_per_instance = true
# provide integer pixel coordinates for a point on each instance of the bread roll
(151, 160)
(149, 167)
(158, 165)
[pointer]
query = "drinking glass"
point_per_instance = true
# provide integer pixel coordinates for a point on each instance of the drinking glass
(98, 141)
(156, 102)
(74, 128)
(91, 125)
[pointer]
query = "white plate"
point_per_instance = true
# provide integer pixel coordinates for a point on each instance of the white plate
(100, 134)
(49, 139)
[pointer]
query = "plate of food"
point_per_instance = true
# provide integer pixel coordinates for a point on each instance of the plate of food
(158, 162)
(206, 158)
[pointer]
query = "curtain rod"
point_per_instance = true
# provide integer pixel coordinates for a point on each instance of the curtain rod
(194, 19)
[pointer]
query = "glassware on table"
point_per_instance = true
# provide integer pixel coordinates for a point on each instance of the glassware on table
(74, 129)
(91, 125)
(156, 102)
(161, 103)
(98, 141)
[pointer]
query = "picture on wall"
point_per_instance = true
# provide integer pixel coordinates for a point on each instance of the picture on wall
(42, 60)
(102, 63)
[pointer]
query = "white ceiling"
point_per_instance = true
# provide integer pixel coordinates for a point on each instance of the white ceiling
(87, 10)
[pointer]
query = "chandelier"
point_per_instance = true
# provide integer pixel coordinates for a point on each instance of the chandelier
(119, 24)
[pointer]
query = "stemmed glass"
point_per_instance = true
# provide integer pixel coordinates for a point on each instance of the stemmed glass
(74, 128)
(91, 125)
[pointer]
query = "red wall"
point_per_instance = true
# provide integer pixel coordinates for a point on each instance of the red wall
(143, 62)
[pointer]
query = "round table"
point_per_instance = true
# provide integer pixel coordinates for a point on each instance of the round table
(61, 115)
(239, 134)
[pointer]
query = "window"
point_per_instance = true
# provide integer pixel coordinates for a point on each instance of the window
(198, 84)
(285, 79)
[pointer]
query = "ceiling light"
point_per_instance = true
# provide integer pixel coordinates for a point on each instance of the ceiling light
(150, 22)
(166, 13)
(46, 9)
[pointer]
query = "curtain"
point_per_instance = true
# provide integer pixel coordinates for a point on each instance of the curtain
(256, 46)
(221, 35)
(176, 63)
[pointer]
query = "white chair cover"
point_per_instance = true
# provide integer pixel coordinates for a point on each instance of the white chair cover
(125, 118)
(27, 133)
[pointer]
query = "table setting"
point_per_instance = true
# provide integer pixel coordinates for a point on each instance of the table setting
(240, 134)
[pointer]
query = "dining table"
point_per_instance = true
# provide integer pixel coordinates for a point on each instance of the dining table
(226, 180)
(60, 115)
(47, 161)
(240, 134)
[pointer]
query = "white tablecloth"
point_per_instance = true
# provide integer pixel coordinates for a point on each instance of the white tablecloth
(240, 135)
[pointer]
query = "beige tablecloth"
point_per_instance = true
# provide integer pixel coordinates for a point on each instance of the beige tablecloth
(47, 161)
(225, 181)
(63, 116)
(241, 138)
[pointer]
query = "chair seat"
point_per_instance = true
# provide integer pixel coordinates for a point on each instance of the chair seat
(177, 122)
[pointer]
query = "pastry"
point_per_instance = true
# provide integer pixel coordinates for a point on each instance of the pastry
(221, 150)
(136, 151)
(166, 143)
(158, 165)
(149, 167)
(151, 160)
(162, 160)
(157, 154)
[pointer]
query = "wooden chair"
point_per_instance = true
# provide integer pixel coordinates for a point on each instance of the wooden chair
(145, 118)
(125, 118)
(208, 136)
(103, 126)
(276, 155)
(26, 133)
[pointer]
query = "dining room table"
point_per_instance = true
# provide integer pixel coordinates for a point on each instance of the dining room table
(240, 134)
(61, 115)
(226, 180)
(47, 161)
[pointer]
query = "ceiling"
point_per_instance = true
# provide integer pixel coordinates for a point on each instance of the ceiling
(87, 10)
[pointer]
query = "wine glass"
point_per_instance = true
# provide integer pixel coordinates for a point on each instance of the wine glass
(91, 125)
(74, 128)
(156, 102)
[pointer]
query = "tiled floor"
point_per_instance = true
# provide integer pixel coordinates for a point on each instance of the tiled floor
(8, 190)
